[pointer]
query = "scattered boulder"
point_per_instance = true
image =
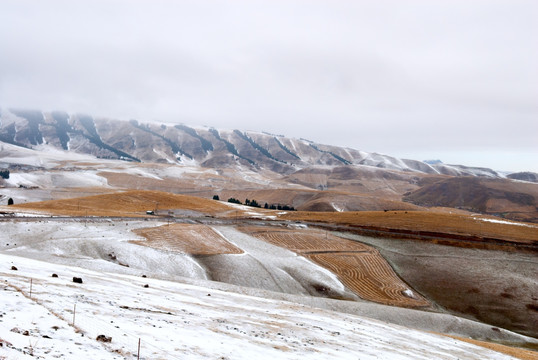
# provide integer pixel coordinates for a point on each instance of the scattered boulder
(55, 275)
(104, 338)
(77, 280)
(14, 268)
(146, 286)
(6, 343)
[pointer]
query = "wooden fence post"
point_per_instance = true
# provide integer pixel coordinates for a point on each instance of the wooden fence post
(74, 313)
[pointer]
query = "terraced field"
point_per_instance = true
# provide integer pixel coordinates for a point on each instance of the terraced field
(190, 239)
(360, 267)
(369, 276)
(305, 241)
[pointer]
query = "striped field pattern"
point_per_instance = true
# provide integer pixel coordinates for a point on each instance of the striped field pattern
(193, 239)
(360, 267)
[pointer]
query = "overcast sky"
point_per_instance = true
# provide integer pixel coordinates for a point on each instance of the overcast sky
(448, 79)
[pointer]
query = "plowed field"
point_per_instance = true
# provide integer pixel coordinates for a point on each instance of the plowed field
(369, 276)
(360, 267)
(187, 239)
(306, 241)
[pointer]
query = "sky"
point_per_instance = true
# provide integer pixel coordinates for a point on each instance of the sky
(455, 80)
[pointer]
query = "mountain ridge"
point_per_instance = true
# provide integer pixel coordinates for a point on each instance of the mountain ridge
(238, 164)
(152, 142)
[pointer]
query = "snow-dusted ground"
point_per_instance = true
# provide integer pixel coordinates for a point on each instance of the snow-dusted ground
(498, 221)
(180, 321)
(192, 319)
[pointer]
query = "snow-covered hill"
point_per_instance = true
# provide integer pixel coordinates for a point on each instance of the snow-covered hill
(131, 292)
(179, 321)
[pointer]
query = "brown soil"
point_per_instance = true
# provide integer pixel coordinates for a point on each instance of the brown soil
(187, 239)
(360, 267)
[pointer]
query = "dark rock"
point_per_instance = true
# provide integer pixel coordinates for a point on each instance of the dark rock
(55, 275)
(103, 338)
(77, 280)
(14, 268)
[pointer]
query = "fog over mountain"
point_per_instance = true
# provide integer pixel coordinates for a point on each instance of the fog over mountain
(449, 80)
(309, 176)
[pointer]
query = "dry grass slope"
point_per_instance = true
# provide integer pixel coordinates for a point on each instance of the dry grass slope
(360, 267)
(128, 203)
(369, 276)
(508, 350)
(186, 238)
(431, 221)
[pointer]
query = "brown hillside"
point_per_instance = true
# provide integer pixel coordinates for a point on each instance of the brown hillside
(129, 203)
(312, 200)
(513, 200)
(427, 221)
(360, 267)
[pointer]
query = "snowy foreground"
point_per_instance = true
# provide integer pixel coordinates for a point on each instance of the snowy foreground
(180, 321)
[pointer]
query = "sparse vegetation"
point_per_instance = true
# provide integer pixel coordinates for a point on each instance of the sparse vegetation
(4, 174)
(206, 145)
(35, 118)
(285, 148)
(339, 158)
(231, 147)
(257, 146)
(174, 146)
(8, 135)
(62, 127)
(94, 138)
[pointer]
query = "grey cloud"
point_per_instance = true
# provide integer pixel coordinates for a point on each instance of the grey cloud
(382, 76)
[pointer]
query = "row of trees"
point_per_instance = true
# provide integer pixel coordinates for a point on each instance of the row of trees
(254, 203)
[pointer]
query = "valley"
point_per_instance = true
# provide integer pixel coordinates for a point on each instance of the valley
(342, 244)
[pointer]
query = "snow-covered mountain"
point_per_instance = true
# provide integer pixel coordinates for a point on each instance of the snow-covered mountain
(207, 147)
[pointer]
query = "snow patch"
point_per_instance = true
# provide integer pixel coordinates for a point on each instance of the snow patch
(497, 221)
(175, 321)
